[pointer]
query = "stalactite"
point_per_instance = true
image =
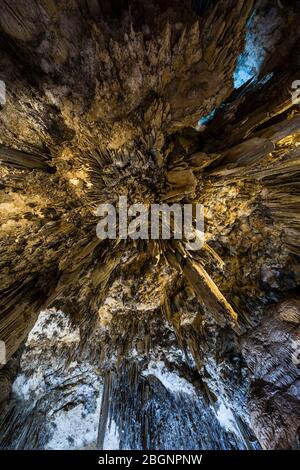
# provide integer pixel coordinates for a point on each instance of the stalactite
(100, 105)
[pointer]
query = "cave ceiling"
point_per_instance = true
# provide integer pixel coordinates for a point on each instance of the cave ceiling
(106, 99)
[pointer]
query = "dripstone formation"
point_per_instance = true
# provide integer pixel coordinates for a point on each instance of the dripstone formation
(144, 344)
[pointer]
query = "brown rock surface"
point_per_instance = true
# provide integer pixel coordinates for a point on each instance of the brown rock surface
(272, 353)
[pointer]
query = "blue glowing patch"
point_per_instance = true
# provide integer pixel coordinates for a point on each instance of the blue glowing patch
(250, 60)
(206, 119)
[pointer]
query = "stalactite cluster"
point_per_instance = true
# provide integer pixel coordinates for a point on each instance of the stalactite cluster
(105, 99)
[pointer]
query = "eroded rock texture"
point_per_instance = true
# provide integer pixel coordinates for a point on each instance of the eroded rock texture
(274, 399)
(185, 349)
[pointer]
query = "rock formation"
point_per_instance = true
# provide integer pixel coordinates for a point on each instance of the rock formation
(143, 343)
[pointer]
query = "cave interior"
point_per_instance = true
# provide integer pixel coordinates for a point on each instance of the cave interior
(144, 344)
